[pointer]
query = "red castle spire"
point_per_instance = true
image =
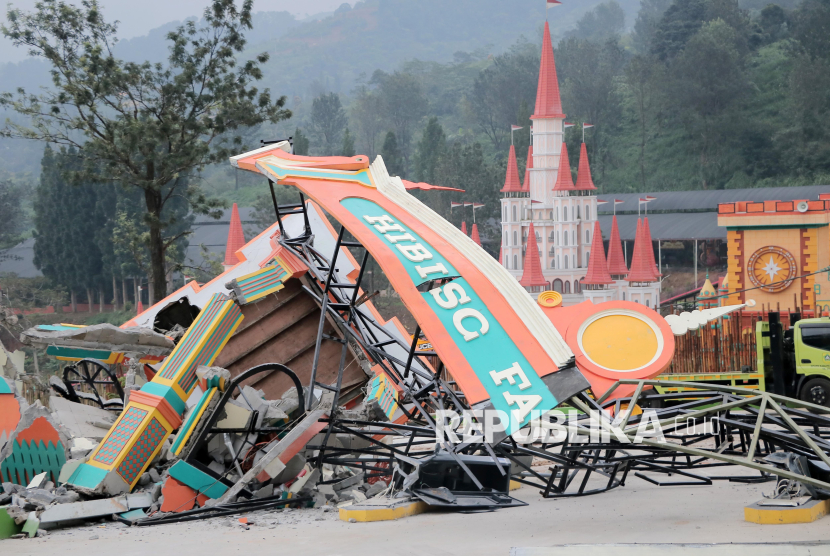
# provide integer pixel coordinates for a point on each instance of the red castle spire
(548, 102)
(616, 258)
(236, 238)
(597, 268)
(474, 235)
(583, 179)
(642, 269)
(464, 228)
(564, 180)
(511, 180)
(650, 250)
(532, 275)
(526, 184)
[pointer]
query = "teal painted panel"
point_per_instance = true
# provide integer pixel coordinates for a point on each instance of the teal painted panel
(191, 420)
(87, 476)
(197, 479)
(5, 387)
(468, 322)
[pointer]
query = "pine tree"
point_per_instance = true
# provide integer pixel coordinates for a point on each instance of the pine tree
(348, 144)
(300, 143)
(431, 147)
(391, 155)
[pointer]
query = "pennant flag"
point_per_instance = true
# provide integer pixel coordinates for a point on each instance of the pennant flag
(568, 124)
(650, 198)
(586, 126)
(535, 202)
(551, 3)
(455, 205)
(477, 205)
(618, 202)
(644, 200)
(515, 127)
(468, 204)
(601, 202)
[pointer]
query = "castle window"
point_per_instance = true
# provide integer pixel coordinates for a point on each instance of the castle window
(577, 287)
(587, 236)
(577, 212)
(587, 213)
(557, 285)
(514, 214)
(515, 262)
(565, 217)
(566, 262)
(515, 238)
(566, 239)
(567, 287)
(550, 215)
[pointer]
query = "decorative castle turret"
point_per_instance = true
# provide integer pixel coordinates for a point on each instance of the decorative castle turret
(597, 281)
(708, 296)
(643, 282)
(532, 278)
(236, 239)
(474, 235)
(562, 213)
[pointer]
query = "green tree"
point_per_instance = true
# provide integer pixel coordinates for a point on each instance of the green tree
(602, 22)
(328, 120)
(705, 97)
(643, 78)
(144, 125)
(404, 104)
(432, 145)
(10, 214)
(300, 142)
(496, 96)
(367, 119)
(392, 155)
(645, 26)
(348, 143)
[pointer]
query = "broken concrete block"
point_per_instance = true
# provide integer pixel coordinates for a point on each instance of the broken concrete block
(291, 470)
(69, 469)
(234, 417)
(154, 475)
(139, 500)
(65, 514)
(67, 498)
(355, 479)
(78, 419)
(40, 496)
(81, 447)
(155, 491)
(37, 481)
(17, 514)
(375, 489)
(265, 492)
(31, 526)
(308, 480)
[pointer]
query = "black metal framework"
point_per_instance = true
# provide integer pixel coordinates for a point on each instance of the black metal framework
(93, 375)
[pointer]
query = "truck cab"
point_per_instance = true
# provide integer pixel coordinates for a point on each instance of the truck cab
(804, 360)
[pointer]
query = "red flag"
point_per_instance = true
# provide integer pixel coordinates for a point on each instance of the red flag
(515, 127)
(586, 126)
(535, 202)
(477, 205)
(455, 205)
(650, 198)
(618, 202)
(551, 3)
(601, 202)
(568, 124)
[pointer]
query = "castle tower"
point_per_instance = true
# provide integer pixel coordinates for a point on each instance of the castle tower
(707, 298)
(563, 214)
(236, 239)
(616, 261)
(597, 281)
(643, 282)
(512, 208)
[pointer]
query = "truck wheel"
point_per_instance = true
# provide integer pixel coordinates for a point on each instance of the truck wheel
(816, 391)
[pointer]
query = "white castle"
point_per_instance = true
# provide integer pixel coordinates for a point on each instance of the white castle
(549, 223)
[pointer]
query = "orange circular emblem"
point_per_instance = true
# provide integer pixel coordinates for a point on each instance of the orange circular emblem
(771, 268)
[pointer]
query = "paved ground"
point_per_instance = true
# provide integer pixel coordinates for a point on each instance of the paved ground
(638, 512)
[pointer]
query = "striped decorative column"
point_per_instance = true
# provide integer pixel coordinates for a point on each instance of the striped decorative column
(156, 410)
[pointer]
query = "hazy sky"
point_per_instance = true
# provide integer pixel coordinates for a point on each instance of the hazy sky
(136, 17)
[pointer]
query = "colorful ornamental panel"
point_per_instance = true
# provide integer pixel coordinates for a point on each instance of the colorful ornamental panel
(771, 268)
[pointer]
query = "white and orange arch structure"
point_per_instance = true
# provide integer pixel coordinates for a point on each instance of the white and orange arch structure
(503, 346)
